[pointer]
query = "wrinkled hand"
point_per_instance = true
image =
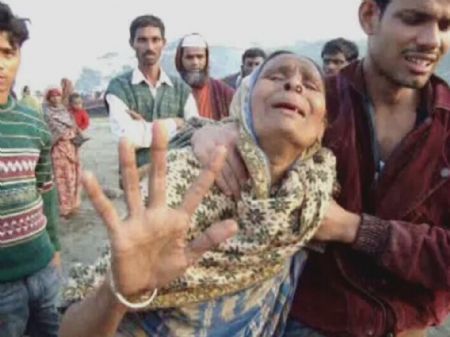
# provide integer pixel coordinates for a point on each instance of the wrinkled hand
(56, 260)
(134, 115)
(234, 174)
(149, 248)
(338, 225)
(179, 122)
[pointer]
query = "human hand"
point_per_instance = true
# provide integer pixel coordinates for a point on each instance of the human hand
(338, 225)
(134, 115)
(179, 122)
(56, 260)
(149, 248)
(234, 173)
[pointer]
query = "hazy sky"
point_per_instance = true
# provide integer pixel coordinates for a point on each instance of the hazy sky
(67, 34)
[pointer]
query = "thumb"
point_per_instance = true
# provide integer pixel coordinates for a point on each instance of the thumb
(217, 233)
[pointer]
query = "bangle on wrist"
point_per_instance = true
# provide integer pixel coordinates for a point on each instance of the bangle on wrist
(146, 299)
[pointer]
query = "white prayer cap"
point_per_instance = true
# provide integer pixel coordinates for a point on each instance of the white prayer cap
(194, 40)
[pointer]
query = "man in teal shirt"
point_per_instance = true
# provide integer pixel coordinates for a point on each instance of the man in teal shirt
(139, 97)
(29, 246)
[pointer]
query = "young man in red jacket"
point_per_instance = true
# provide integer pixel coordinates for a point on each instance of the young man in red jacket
(386, 269)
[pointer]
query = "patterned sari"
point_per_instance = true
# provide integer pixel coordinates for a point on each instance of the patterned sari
(65, 158)
(244, 287)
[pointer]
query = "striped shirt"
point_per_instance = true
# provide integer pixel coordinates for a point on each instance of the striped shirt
(28, 199)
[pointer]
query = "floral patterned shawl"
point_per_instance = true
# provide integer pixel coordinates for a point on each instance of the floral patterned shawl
(275, 222)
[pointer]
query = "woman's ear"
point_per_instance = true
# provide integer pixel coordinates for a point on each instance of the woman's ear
(323, 128)
(369, 16)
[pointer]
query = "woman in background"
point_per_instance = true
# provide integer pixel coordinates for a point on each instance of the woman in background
(65, 156)
(67, 90)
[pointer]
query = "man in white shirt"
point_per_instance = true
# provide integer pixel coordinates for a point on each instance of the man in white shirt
(251, 59)
(137, 98)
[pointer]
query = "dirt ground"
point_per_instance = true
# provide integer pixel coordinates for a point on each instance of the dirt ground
(83, 236)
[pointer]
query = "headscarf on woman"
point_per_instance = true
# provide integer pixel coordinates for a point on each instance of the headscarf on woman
(245, 286)
(65, 154)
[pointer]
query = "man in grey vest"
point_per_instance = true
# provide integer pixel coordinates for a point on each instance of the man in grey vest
(137, 98)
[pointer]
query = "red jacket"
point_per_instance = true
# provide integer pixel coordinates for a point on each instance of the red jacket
(396, 276)
(81, 118)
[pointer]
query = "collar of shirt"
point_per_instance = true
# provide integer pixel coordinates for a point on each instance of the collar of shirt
(138, 77)
(238, 80)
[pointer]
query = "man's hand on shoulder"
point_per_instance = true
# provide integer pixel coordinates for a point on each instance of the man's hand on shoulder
(234, 173)
(338, 225)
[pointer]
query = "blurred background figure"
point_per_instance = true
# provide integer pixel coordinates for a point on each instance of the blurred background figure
(67, 90)
(78, 112)
(29, 100)
(337, 54)
(65, 155)
(251, 59)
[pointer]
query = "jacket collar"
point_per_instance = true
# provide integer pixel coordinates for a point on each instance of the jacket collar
(436, 91)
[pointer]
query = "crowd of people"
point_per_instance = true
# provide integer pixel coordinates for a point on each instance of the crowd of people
(288, 199)
(62, 109)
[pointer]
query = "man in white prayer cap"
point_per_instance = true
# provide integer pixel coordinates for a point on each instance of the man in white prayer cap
(213, 97)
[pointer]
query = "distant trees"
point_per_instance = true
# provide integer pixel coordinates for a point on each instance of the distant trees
(89, 80)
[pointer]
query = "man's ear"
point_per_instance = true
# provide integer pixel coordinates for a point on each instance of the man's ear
(369, 16)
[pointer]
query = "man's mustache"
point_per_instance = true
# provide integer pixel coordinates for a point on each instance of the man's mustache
(149, 53)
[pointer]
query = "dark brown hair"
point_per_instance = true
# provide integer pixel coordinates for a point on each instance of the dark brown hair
(15, 27)
(146, 21)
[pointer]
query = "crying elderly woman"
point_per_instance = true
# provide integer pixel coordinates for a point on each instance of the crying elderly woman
(245, 286)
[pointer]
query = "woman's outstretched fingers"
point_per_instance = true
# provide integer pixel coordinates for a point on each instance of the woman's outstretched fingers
(217, 233)
(236, 163)
(204, 181)
(231, 179)
(130, 176)
(157, 174)
(101, 203)
(222, 184)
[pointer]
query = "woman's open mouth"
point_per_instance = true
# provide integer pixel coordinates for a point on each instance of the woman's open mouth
(289, 107)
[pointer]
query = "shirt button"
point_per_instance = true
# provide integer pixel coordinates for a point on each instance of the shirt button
(370, 332)
(445, 173)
